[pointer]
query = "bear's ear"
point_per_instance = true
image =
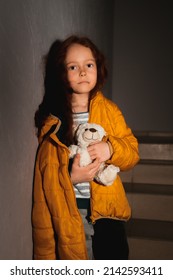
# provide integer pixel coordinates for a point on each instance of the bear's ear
(100, 130)
(75, 134)
(78, 131)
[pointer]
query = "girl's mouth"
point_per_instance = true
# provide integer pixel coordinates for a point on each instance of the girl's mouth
(83, 82)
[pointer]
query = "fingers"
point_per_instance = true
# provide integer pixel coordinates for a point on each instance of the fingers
(92, 170)
(93, 156)
(94, 167)
(95, 163)
(92, 152)
(76, 159)
(83, 174)
(91, 148)
(99, 150)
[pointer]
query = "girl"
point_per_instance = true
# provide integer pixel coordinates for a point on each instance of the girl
(74, 75)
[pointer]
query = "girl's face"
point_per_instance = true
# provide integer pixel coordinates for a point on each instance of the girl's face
(81, 69)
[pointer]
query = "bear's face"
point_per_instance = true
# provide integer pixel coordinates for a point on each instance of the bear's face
(89, 133)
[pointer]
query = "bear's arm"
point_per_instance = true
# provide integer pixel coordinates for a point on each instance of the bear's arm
(73, 150)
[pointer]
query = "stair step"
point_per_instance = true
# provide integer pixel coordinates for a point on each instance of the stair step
(142, 228)
(150, 249)
(148, 188)
(151, 206)
(149, 174)
(156, 151)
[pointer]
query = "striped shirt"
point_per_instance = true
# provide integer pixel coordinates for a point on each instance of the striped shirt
(82, 190)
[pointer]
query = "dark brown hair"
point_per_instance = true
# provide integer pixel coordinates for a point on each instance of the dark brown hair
(57, 92)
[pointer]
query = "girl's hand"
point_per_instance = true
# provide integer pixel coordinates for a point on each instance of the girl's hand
(83, 174)
(99, 150)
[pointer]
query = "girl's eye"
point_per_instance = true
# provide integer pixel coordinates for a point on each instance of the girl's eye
(72, 67)
(90, 65)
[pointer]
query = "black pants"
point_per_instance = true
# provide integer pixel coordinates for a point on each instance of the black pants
(109, 241)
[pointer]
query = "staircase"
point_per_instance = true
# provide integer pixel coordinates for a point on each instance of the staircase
(149, 187)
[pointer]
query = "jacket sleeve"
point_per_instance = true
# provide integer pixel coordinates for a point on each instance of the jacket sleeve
(125, 146)
(43, 233)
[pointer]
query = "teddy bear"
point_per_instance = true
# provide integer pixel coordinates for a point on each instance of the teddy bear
(86, 134)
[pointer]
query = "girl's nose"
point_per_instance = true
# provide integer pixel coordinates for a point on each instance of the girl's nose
(82, 73)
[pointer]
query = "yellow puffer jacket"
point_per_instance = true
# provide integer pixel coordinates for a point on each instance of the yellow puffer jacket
(55, 216)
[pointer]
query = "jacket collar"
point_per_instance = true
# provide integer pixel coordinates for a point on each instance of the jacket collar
(53, 123)
(50, 128)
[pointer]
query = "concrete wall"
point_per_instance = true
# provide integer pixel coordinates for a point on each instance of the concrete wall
(143, 63)
(27, 29)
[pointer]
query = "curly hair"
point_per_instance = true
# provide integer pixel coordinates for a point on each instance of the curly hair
(57, 91)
